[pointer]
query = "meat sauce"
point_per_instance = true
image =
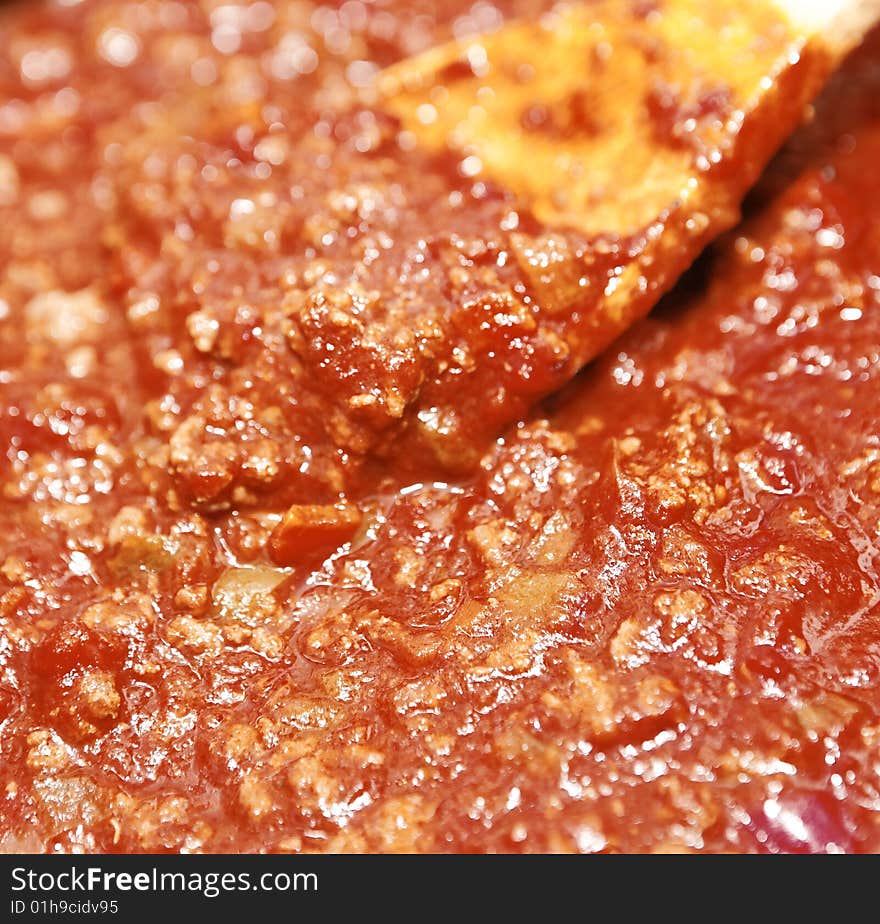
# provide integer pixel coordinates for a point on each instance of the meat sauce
(312, 285)
(646, 621)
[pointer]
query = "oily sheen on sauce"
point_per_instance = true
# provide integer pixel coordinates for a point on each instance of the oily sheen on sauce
(645, 620)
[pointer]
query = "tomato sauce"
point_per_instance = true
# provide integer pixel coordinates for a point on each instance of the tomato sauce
(645, 621)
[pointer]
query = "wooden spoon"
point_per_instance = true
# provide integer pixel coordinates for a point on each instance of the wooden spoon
(644, 121)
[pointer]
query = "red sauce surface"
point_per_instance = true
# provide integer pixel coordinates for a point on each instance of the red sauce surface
(646, 622)
(311, 288)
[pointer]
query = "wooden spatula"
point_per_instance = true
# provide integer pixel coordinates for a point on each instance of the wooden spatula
(632, 126)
